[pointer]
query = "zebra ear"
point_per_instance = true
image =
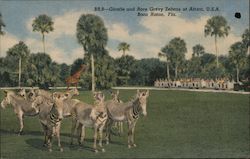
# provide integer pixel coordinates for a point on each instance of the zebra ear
(66, 95)
(147, 93)
(103, 97)
(5, 91)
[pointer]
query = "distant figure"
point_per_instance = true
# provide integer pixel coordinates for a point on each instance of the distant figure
(74, 79)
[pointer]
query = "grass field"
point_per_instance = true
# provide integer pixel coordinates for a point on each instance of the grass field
(179, 124)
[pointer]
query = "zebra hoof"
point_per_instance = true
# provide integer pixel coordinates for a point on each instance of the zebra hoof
(50, 150)
(96, 151)
(134, 145)
(103, 150)
(107, 142)
(61, 149)
(129, 146)
(20, 133)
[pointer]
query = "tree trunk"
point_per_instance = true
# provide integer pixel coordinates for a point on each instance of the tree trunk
(43, 38)
(19, 72)
(0, 46)
(216, 51)
(237, 74)
(168, 75)
(93, 72)
(176, 72)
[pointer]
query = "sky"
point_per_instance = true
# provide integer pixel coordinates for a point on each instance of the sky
(145, 34)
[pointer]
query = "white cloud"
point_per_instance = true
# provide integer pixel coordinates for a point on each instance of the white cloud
(64, 25)
(156, 32)
(160, 30)
(7, 41)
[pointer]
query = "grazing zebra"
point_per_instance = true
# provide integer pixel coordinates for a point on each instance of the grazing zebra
(20, 106)
(74, 79)
(119, 124)
(90, 116)
(128, 112)
(51, 121)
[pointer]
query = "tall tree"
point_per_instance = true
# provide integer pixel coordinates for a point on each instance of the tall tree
(43, 24)
(21, 51)
(166, 53)
(124, 66)
(198, 50)
(237, 55)
(246, 39)
(124, 47)
(177, 47)
(92, 34)
(1, 31)
(43, 71)
(217, 26)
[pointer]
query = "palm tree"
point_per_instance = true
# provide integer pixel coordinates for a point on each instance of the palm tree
(92, 35)
(1, 31)
(198, 50)
(43, 24)
(124, 47)
(237, 55)
(177, 49)
(217, 26)
(20, 51)
(166, 53)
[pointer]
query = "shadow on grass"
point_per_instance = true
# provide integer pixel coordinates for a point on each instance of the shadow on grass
(38, 144)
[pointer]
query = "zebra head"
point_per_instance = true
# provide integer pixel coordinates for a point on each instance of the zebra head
(142, 96)
(115, 96)
(22, 93)
(7, 99)
(31, 94)
(98, 110)
(57, 108)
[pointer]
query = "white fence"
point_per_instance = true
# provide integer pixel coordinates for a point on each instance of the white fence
(5, 88)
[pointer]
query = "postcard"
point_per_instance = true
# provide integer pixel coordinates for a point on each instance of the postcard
(124, 79)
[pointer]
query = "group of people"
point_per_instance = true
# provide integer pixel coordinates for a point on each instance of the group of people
(52, 108)
(196, 83)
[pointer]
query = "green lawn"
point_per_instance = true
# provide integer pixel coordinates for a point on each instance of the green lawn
(179, 124)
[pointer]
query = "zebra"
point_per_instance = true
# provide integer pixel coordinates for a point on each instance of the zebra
(119, 125)
(128, 112)
(90, 116)
(51, 120)
(20, 106)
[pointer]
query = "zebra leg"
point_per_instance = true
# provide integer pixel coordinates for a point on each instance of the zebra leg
(121, 126)
(108, 127)
(57, 130)
(20, 118)
(45, 143)
(129, 133)
(82, 134)
(50, 133)
(95, 138)
(132, 135)
(79, 133)
(100, 137)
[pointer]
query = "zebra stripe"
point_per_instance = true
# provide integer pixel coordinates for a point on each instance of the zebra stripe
(53, 118)
(136, 111)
